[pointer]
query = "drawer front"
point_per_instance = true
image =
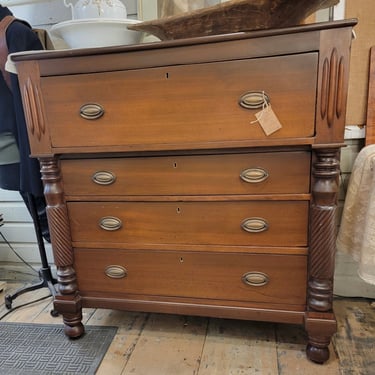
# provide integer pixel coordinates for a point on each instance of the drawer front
(257, 173)
(242, 277)
(176, 105)
(279, 223)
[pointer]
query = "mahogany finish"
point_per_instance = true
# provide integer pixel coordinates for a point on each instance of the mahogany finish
(165, 194)
(187, 175)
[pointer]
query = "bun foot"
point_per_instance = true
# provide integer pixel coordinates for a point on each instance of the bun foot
(74, 332)
(317, 354)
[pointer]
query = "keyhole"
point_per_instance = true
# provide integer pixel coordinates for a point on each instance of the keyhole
(166, 75)
(174, 165)
(178, 210)
(181, 260)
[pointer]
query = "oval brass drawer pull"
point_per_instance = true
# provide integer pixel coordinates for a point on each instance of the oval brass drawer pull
(116, 272)
(254, 175)
(255, 278)
(103, 178)
(110, 223)
(254, 225)
(91, 111)
(254, 100)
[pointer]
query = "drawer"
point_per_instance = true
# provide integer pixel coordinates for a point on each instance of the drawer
(273, 223)
(176, 105)
(242, 277)
(252, 173)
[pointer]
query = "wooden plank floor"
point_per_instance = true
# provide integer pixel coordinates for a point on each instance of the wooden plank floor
(162, 344)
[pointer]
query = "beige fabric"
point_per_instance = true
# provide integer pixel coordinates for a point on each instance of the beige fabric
(357, 231)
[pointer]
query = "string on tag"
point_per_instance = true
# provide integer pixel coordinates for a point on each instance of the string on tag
(267, 118)
(264, 106)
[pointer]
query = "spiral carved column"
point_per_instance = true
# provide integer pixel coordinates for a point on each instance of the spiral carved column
(320, 321)
(67, 301)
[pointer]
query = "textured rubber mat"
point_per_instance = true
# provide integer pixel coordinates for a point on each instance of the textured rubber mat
(42, 349)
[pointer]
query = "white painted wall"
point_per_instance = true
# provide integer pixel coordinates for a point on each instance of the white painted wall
(44, 14)
(18, 230)
(49, 12)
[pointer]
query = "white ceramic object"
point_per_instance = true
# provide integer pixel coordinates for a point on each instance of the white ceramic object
(99, 32)
(97, 9)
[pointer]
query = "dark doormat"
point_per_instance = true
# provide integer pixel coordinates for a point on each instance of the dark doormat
(43, 349)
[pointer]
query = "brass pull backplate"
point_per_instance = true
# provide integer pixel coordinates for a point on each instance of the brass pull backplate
(116, 272)
(255, 278)
(255, 225)
(254, 175)
(103, 178)
(254, 100)
(91, 111)
(110, 223)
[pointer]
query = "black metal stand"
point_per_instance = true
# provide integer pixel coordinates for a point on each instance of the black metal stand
(45, 274)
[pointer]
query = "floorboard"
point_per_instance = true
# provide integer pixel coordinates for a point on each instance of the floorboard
(354, 341)
(239, 347)
(170, 343)
(164, 344)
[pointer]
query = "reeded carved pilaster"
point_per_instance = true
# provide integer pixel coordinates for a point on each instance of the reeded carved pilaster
(332, 96)
(33, 104)
(333, 81)
(67, 300)
(334, 58)
(31, 96)
(323, 230)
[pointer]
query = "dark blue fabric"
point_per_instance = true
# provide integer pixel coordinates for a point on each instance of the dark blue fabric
(24, 176)
(20, 37)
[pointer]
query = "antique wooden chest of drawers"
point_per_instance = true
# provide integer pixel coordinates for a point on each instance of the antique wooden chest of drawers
(196, 176)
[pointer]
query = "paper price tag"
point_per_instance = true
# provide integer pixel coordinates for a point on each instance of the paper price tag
(268, 120)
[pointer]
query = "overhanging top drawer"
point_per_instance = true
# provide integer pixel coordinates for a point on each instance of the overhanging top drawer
(177, 105)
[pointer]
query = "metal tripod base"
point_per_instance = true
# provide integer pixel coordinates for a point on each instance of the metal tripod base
(45, 275)
(46, 281)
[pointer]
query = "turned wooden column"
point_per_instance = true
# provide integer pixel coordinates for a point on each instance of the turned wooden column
(67, 301)
(320, 321)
